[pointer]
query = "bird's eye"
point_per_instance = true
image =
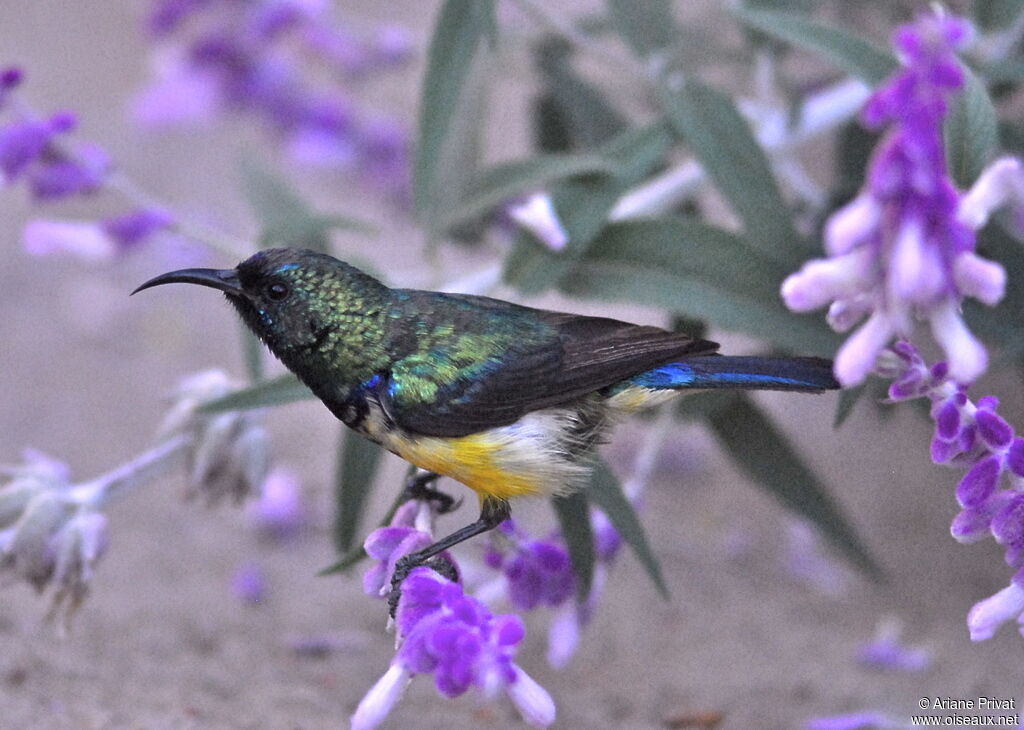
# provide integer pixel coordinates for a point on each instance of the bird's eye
(277, 291)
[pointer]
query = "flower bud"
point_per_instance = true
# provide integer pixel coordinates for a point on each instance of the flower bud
(30, 552)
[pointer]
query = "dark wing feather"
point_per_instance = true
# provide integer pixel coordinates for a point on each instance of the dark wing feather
(553, 359)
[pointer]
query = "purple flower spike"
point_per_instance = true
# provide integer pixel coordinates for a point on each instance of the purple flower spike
(901, 251)
(454, 636)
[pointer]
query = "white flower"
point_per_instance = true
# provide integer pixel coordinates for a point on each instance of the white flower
(538, 216)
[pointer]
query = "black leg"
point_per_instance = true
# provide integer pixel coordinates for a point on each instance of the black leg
(492, 513)
(421, 486)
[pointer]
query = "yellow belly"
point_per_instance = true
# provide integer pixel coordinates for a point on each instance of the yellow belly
(472, 460)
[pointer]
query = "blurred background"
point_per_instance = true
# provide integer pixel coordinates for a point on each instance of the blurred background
(763, 624)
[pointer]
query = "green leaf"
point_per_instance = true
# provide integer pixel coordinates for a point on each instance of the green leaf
(450, 63)
(285, 217)
(573, 512)
(717, 134)
(700, 271)
(647, 26)
(501, 183)
(358, 459)
(996, 15)
(252, 351)
(277, 391)
(848, 398)
(1011, 138)
(606, 492)
(971, 131)
(358, 554)
(760, 450)
(849, 52)
(570, 113)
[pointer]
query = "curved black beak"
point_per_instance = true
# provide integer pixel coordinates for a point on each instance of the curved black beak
(224, 279)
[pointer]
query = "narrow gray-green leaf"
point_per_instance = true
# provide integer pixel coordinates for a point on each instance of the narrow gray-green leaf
(285, 217)
(848, 398)
(457, 34)
(501, 183)
(605, 491)
(996, 15)
(849, 52)
(277, 391)
(571, 113)
(761, 450)
(647, 26)
(1004, 323)
(252, 351)
(358, 459)
(717, 134)
(700, 271)
(971, 131)
(573, 512)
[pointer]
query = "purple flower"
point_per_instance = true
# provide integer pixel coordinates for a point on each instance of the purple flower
(886, 652)
(975, 437)
(59, 176)
(10, 77)
(987, 616)
(806, 561)
(29, 150)
(279, 511)
(539, 573)
(131, 229)
(22, 143)
(455, 637)
(249, 584)
(259, 59)
(388, 544)
(94, 241)
(904, 249)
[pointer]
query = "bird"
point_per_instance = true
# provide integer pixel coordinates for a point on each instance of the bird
(509, 400)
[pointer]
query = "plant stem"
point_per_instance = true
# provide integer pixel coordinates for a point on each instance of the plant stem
(141, 470)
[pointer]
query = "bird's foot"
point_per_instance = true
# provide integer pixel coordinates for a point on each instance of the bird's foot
(440, 564)
(420, 486)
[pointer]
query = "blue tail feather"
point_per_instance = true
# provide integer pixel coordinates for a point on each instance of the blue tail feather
(809, 374)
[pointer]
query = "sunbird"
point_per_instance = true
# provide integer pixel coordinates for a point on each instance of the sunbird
(507, 399)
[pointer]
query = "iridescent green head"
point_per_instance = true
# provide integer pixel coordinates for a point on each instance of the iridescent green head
(293, 299)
